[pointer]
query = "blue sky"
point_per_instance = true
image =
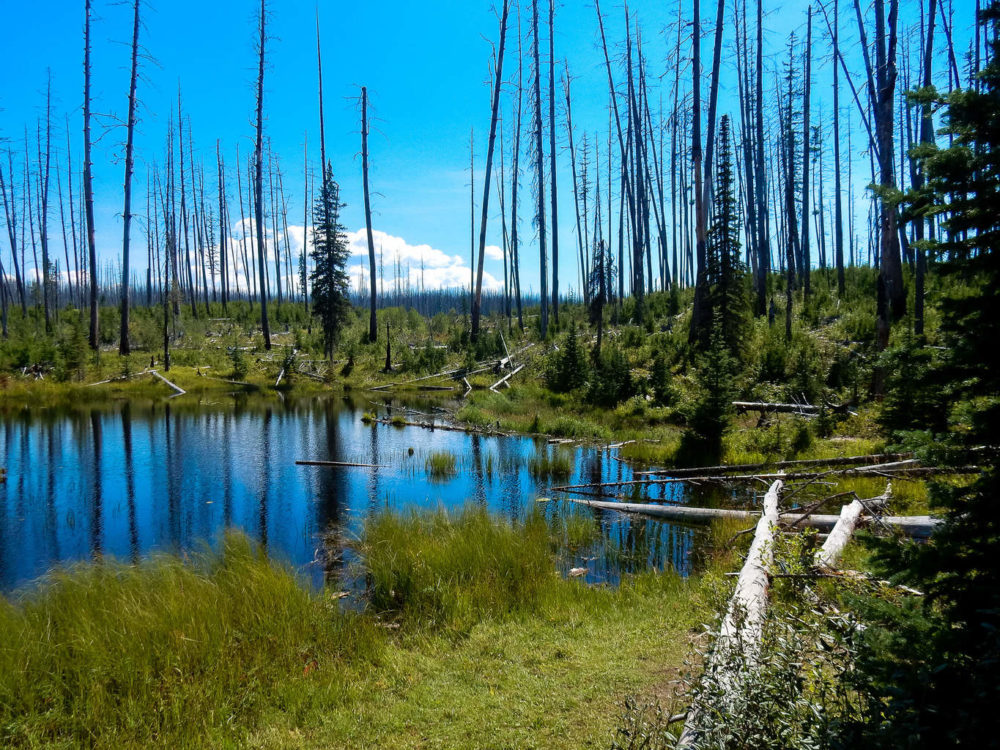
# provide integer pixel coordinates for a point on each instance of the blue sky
(426, 66)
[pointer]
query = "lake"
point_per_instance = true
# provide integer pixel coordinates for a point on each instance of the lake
(129, 479)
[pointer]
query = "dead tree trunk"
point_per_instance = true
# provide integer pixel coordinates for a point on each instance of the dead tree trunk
(838, 208)
(372, 323)
(516, 177)
(540, 173)
(477, 300)
(259, 180)
(43, 204)
(552, 165)
(123, 342)
(804, 253)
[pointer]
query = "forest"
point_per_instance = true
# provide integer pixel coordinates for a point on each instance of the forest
(729, 482)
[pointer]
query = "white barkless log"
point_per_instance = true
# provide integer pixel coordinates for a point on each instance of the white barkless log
(850, 514)
(742, 626)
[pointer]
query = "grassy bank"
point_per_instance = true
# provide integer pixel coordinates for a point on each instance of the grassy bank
(468, 637)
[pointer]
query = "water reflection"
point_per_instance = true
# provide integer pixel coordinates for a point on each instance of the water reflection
(129, 479)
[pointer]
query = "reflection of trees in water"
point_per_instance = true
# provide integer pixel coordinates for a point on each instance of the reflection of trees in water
(331, 491)
(133, 526)
(635, 544)
(477, 466)
(97, 511)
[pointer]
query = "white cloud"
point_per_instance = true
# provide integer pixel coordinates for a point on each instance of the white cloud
(493, 252)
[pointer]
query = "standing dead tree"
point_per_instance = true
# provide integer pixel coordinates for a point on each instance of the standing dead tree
(372, 323)
(123, 343)
(498, 81)
(88, 183)
(259, 179)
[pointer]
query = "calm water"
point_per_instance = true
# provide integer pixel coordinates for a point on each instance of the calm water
(126, 480)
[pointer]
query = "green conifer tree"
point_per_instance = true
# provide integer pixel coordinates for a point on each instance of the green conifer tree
(329, 276)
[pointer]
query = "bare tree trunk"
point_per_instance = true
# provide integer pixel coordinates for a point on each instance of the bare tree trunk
(192, 291)
(838, 208)
(10, 213)
(698, 314)
(516, 176)
(477, 300)
(760, 183)
(88, 182)
(552, 164)
(43, 204)
(259, 181)
(223, 230)
(926, 138)
(372, 324)
(123, 342)
(540, 174)
(581, 242)
(806, 261)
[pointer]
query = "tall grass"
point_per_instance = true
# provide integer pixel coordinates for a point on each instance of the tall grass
(451, 571)
(161, 653)
(441, 465)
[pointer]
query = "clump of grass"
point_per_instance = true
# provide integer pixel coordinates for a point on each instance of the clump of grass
(164, 652)
(398, 420)
(451, 571)
(368, 417)
(574, 529)
(551, 466)
(441, 465)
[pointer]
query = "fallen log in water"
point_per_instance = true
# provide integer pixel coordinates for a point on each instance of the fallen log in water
(339, 463)
(740, 635)
(914, 526)
(876, 458)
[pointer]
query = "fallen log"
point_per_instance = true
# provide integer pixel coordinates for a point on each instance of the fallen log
(915, 526)
(784, 408)
(339, 463)
(898, 469)
(828, 555)
(180, 391)
(506, 377)
(742, 626)
(876, 458)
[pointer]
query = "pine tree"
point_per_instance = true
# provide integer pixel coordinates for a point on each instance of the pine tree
(330, 252)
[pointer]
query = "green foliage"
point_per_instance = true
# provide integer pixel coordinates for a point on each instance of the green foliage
(567, 368)
(238, 359)
(709, 415)
(611, 381)
(659, 380)
(933, 664)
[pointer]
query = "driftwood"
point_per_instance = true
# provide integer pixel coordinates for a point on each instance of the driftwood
(914, 526)
(438, 426)
(742, 627)
(339, 463)
(180, 391)
(877, 458)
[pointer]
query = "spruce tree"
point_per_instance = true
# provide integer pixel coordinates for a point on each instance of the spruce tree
(933, 665)
(726, 296)
(329, 276)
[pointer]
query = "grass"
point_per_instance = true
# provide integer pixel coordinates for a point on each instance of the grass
(441, 465)
(468, 638)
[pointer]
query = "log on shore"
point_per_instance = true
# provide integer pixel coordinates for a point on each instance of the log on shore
(914, 526)
(180, 391)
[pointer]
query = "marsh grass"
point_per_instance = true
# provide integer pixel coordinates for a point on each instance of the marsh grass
(467, 637)
(108, 653)
(441, 465)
